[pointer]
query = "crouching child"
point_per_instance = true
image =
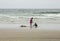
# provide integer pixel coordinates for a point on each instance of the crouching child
(35, 25)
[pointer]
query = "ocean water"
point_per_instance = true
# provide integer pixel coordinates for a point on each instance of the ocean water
(16, 14)
(45, 18)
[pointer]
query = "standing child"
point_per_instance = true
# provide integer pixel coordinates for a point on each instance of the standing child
(31, 21)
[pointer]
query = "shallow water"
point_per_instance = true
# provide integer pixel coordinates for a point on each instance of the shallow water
(42, 26)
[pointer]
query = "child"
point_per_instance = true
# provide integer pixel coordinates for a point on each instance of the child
(31, 21)
(35, 25)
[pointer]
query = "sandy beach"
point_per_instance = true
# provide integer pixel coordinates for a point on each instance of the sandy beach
(13, 32)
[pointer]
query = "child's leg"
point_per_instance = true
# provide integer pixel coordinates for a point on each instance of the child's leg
(30, 25)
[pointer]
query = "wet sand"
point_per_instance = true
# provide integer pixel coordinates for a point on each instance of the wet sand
(13, 32)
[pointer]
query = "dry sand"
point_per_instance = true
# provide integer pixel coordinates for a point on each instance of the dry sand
(29, 35)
